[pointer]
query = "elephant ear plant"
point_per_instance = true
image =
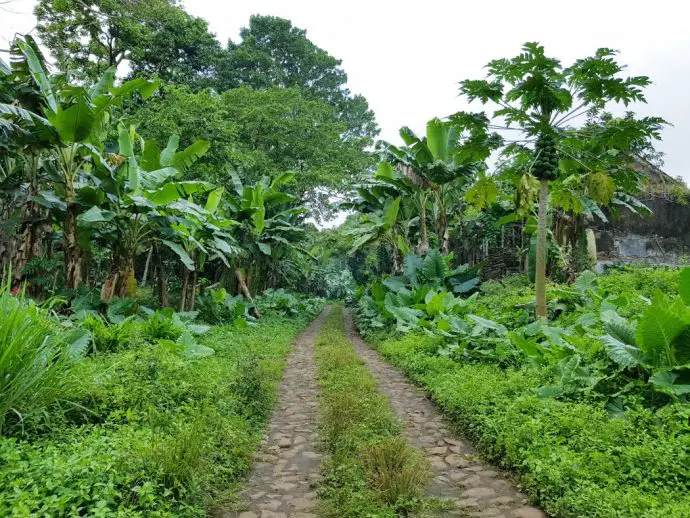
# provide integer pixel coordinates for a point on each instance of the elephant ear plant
(538, 98)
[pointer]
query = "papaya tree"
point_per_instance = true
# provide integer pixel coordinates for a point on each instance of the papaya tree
(538, 98)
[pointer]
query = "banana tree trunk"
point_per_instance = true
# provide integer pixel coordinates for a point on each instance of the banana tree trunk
(423, 246)
(242, 284)
(191, 290)
(540, 270)
(443, 233)
(183, 294)
(120, 281)
(162, 281)
(74, 255)
(147, 266)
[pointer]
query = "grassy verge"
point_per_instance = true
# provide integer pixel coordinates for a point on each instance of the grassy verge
(573, 457)
(371, 471)
(148, 433)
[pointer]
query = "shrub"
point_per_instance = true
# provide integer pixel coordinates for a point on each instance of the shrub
(34, 359)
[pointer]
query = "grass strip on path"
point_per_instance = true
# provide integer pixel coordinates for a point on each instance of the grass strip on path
(371, 471)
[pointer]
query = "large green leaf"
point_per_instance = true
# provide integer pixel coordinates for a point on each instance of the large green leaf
(623, 354)
(173, 191)
(95, 215)
(435, 305)
(75, 123)
(665, 381)
(437, 139)
(434, 267)
(151, 180)
(168, 154)
(104, 83)
(181, 253)
(184, 159)
(659, 328)
(144, 87)
(390, 215)
(38, 73)
(213, 199)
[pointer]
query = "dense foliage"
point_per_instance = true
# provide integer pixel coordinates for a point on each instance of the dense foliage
(589, 407)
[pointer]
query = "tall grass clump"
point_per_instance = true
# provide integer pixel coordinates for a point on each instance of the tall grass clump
(371, 471)
(33, 359)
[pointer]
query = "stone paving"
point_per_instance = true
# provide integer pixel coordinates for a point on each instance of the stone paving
(287, 468)
(459, 475)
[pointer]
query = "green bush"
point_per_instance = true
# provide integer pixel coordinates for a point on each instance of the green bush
(573, 458)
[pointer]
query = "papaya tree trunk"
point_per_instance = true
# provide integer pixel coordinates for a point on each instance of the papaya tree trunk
(242, 284)
(74, 255)
(540, 268)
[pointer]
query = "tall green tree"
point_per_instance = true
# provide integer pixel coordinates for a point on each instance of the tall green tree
(272, 52)
(539, 97)
(261, 133)
(156, 37)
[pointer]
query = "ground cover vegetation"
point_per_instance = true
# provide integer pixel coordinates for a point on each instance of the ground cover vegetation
(155, 195)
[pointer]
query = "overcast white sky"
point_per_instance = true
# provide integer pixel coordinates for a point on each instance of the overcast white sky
(406, 57)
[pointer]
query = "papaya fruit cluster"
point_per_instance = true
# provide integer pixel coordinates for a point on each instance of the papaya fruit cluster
(546, 157)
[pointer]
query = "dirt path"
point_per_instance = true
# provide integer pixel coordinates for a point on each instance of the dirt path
(477, 488)
(288, 464)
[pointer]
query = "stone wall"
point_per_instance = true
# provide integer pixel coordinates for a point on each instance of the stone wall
(663, 237)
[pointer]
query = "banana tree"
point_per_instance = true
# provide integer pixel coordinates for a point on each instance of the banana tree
(451, 153)
(24, 136)
(269, 228)
(198, 234)
(537, 97)
(79, 117)
(136, 188)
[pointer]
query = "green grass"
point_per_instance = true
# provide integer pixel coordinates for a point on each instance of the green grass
(148, 433)
(572, 457)
(370, 471)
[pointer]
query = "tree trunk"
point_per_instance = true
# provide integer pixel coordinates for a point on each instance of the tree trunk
(183, 294)
(443, 233)
(191, 291)
(242, 284)
(35, 228)
(120, 281)
(540, 270)
(146, 267)
(423, 246)
(162, 281)
(110, 283)
(74, 260)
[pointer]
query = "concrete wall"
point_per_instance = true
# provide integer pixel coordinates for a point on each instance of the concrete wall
(663, 237)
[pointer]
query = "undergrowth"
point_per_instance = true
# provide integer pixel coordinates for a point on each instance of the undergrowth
(147, 432)
(577, 456)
